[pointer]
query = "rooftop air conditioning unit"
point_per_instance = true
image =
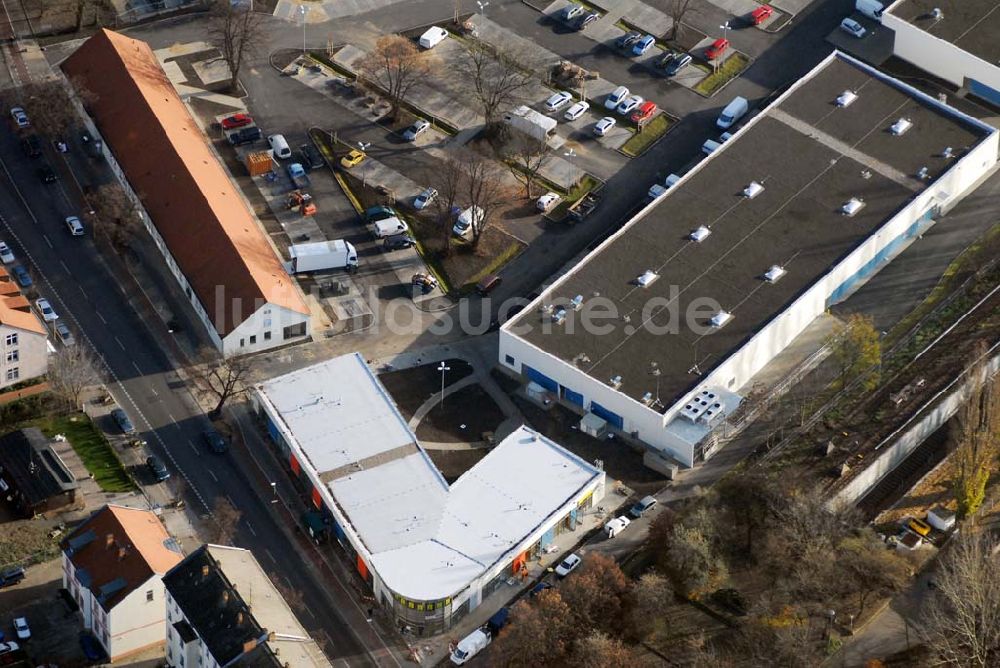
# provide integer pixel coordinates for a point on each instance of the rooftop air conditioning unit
(846, 98)
(647, 278)
(937, 14)
(753, 190)
(852, 206)
(648, 398)
(559, 317)
(576, 302)
(774, 273)
(721, 318)
(923, 174)
(901, 126)
(948, 153)
(700, 234)
(615, 382)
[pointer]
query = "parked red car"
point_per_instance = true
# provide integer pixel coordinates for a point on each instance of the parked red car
(644, 112)
(761, 14)
(236, 121)
(718, 47)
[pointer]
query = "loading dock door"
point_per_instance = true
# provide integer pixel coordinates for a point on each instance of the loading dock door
(612, 418)
(988, 93)
(541, 379)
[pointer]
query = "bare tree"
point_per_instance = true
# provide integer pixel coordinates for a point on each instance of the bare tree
(857, 348)
(498, 80)
(525, 156)
(225, 521)
(650, 596)
(961, 621)
(691, 560)
(870, 569)
(49, 104)
(396, 65)
(450, 178)
(599, 649)
(116, 218)
(677, 9)
(221, 377)
(486, 192)
(597, 596)
(238, 33)
(976, 437)
(72, 369)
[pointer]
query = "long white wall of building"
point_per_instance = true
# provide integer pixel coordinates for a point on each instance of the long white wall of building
(939, 57)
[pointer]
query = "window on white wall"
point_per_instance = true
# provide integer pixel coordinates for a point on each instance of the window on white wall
(149, 595)
(12, 339)
(13, 373)
(13, 355)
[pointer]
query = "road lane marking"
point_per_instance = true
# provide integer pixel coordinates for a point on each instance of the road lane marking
(65, 267)
(119, 342)
(250, 526)
(212, 473)
(271, 556)
(136, 367)
(196, 451)
(46, 237)
(82, 292)
(233, 503)
(101, 317)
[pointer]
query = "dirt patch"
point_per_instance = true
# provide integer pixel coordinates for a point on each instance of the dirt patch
(620, 461)
(466, 265)
(410, 388)
(453, 463)
(463, 417)
(25, 542)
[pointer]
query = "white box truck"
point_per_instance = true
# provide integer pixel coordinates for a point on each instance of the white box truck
(323, 255)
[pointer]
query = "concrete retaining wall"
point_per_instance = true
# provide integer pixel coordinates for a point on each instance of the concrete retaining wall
(898, 445)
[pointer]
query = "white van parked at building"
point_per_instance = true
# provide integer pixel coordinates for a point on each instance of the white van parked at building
(280, 147)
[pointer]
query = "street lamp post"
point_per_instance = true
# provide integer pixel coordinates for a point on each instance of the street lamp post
(482, 6)
(725, 30)
(302, 14)
(442, 367)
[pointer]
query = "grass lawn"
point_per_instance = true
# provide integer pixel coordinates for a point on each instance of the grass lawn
(93, 448)
(640, 141)
(729, 70)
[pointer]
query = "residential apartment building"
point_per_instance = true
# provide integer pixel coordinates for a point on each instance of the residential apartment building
(222, 609)
(113, 565)
(24, 350)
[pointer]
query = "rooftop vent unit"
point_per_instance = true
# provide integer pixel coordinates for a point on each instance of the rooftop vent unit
(711, 413)
(546, 308)
(581, 358)
(648, 399)
(721, 318)
(700, 234)
(923, 174)
(753, 190)
(700, 403)
(846, 98)
(774, 273)
(937, 14)
(866, 174)
(559, 317)
(948, 153)
(901, 126)
(647, 278)
(615, 382)
(852, 206)
(576, 302)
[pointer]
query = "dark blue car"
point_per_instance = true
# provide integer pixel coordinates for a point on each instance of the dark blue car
(22, 277)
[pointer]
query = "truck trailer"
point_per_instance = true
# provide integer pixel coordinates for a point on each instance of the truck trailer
(323, 255)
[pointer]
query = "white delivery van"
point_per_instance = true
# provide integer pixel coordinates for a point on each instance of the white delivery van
(470, 645)
(280, 147)
(463, 226)
(616, 526)
(389, 226)
(434, 36)
(733, 112)
(871, 8)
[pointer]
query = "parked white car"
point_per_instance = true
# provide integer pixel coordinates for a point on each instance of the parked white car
(615, 97)
(426, 196)
(853, 28)
(45, 308)
(74, 226)
(576, 111)
(604, 126)
(568, 565)
(629, 104)
(547, 201)
(6, 254)
(558, 101)
(20, 118)
(22, 628)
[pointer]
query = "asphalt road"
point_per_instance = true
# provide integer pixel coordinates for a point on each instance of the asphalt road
(82, 290)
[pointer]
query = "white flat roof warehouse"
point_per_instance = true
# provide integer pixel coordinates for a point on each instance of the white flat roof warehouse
(424, 539)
